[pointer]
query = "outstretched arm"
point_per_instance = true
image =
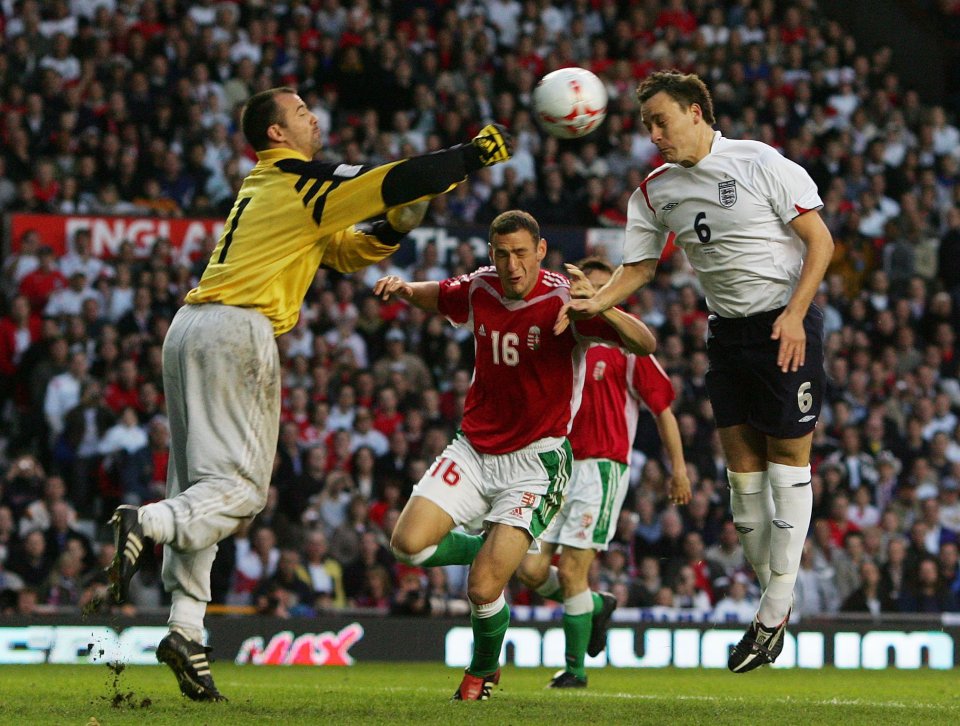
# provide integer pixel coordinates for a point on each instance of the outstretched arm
(340, 195)
(626, 280)
(424, 295)
(634, 334)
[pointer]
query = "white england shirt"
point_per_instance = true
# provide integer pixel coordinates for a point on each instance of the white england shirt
(731, 213)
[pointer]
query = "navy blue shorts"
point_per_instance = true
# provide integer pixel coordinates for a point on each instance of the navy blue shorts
(746, 385)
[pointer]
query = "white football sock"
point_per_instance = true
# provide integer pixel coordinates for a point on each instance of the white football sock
(752, 508)
(793, 503)
(158, 522)
(186, 616)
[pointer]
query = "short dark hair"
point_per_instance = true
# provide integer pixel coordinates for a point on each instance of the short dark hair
(260, 113)
(684, 88)
(514, 220)
(590, 264)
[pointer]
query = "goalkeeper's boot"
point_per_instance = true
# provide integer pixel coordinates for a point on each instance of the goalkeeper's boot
(598, 626)
(566, 679)
(476, 688)
(494, 144)
(189, 663)
(131, 544)
(758, 646)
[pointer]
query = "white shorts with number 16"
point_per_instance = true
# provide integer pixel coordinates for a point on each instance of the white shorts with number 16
(523, 488)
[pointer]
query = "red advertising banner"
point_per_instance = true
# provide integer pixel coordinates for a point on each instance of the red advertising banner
(108, 233)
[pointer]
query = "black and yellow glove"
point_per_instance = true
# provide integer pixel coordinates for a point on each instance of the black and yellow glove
(494, 144)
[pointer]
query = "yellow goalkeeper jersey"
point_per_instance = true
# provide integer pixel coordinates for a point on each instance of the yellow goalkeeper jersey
(292, 214)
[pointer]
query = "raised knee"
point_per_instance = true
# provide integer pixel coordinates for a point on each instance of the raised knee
(409, 549)
(400, 545)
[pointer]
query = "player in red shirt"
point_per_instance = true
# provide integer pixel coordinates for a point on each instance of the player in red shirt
(509, 465)
(602, 439)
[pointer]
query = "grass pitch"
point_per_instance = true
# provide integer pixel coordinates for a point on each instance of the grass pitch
(374, 693)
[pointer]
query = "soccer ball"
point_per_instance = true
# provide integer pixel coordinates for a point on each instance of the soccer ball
(570, 102)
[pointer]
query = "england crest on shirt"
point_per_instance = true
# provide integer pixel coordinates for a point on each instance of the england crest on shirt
(533, 338)
(728, 193)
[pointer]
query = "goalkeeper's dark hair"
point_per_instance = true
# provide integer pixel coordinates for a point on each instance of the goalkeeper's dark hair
(684, 88)
(595, 264)
(514, 220)
(260, 113)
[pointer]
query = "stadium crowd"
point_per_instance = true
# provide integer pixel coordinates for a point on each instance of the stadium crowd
(131, 107)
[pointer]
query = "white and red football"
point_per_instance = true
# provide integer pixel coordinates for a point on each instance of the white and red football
(570, 102)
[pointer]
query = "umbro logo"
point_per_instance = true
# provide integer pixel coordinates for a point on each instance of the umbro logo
(780, 524)
(668, 207)
(744, 530)
(806, 418)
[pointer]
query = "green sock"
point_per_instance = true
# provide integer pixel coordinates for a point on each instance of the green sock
(576, 631)
(488, 640)
(597, 602)
(457, 548)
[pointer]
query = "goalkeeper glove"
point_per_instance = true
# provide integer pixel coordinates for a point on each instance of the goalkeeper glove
(493, 144)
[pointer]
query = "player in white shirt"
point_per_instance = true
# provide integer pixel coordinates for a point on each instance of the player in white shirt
(746, 218)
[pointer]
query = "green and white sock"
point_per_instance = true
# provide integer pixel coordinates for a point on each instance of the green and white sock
(490, 622)
(457, 548)
(577, 619)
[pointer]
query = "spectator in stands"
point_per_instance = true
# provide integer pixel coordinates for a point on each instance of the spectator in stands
(63, 587)
(125, 390)
(346, 541)
(736, 605)
(288, 593)
(686, 593)
(869, 597)
(373, 556)
(411, 597)
(33, 563)
(326, 574)
(19, 329)
(40, 284)
(929, 594)
(364, 435)
(296, 495)
(376, 590)
(816, 590)
(895, 573)
(727, 554)
(80, 258)
(256, 560)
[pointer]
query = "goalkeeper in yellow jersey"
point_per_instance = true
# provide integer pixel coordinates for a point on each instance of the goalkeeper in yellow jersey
(221, 370)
